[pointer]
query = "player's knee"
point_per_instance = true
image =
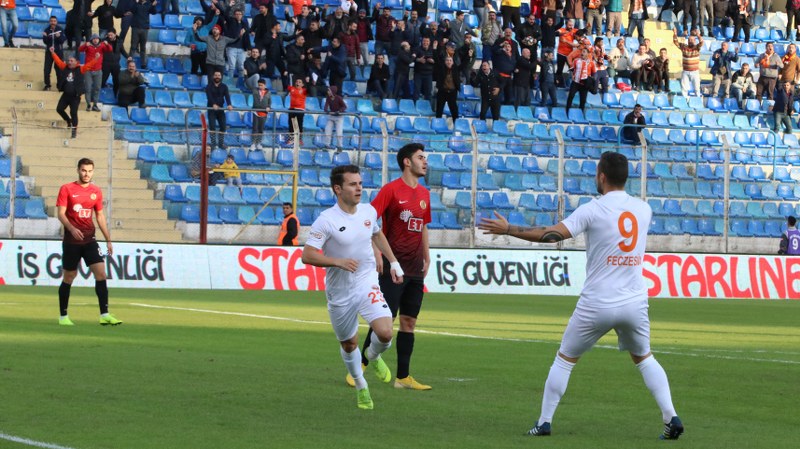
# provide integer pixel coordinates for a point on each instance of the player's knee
(407, 323)
(349, 346)
(384, 335)
(69, 276)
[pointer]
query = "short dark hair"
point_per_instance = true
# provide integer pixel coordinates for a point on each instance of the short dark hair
(262, 80)
(111, 30)
(791, 220)
(407, 152)
(54, 17)
(337, 174)
(85, 161)
(615, 167)
(287, 204)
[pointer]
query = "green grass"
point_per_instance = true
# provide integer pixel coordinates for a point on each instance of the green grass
(189, 379)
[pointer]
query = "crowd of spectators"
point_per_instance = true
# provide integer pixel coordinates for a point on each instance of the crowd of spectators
(417, 57)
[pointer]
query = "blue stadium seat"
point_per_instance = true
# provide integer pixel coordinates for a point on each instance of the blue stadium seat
(190, 213)
(146, 153)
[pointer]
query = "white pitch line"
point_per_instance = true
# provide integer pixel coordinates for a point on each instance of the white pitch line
(453, 334)
(27, 442)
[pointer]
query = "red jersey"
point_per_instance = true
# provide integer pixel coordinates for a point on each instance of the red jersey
(297, 98)
(405, 211)
(80, 202)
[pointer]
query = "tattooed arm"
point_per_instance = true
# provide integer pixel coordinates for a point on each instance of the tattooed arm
(500, 226)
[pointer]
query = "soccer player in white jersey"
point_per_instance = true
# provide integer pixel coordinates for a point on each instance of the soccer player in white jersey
(614, 295)
(345, 234)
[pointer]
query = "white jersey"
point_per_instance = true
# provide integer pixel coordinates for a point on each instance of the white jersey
(346, 236)
(616, 234)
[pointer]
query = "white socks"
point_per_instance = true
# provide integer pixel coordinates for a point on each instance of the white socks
(376, 347)
(656, 381)
(554, 388)
(352, 360)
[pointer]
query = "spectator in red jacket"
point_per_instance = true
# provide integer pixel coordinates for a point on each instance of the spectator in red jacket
(94, 50)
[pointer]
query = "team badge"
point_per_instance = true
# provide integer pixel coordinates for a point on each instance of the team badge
(367, 223)
(316, 234)
(423, 204)
(94, 197)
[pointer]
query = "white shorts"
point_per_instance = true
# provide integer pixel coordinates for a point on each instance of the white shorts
(587, 325)
(366, 301)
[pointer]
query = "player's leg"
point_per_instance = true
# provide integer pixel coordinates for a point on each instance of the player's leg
(70, 258)
(376, 312)
(582, 332)
(94, 260)
(634, 336)
(344, 319)
(410, 305)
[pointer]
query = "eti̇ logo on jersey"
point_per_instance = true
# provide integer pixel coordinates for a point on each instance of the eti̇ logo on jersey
(82, 213)
(367, 223)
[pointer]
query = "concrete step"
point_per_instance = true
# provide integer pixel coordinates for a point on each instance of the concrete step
(123, 213)
(134, 235)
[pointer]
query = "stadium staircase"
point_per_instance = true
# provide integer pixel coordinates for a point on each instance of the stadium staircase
(49, 158)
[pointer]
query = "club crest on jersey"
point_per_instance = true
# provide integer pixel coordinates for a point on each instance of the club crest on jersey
(423, 204)
(367, 223)
(316, 234)
(94, 196)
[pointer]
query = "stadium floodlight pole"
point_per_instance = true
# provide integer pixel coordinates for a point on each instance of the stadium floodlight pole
(203, 181)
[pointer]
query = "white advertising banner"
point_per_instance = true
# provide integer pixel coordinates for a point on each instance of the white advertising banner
(531, 272)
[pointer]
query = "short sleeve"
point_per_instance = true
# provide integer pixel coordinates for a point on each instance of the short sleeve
(63, 194)
(579, 220)
(382, 199)
(318, 234)
(98, 204)
(375, 227)
(426, 216)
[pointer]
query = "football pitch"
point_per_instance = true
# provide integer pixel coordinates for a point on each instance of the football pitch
(233, 369)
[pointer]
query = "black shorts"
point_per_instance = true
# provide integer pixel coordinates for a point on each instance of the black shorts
(73, 253)
(405, 298)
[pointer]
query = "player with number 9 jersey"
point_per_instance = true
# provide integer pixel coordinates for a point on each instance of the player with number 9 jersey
(615, 226)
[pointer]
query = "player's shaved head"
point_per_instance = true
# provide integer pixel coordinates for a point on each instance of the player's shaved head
(85, 161)
(337, 174)
(615, 168)
(792, 221)
(407, 152)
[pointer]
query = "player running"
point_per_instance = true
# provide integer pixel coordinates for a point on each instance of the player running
(345, 233)
(614, 295)
(75, 203)
(404, 205)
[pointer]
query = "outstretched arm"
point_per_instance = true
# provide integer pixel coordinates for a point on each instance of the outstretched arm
(500, 226)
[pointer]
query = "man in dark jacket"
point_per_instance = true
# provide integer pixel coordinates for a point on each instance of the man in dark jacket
(236, 52)
(297, 59)
(635, 117)
(423, 70)
(523, 75)
(487, 81)
(547, 78)
(52, 36)
(467, 54)
(262, 23)
(383, 29)
(218, 97)
(504, 64)
(131, 86)
(401, 70)
(141, 25)
(335, 65)
(274, 53)
(124, 12)
(111, 60)
(528, 35)
(783, 107)
(335, 24)
(379, 77)
(448, 83)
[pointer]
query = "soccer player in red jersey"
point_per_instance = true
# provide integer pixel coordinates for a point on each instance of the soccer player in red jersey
(75, 203)
(404, 206)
